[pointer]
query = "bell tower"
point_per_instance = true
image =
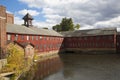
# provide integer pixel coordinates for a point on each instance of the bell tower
(2, 32)
(28, 20)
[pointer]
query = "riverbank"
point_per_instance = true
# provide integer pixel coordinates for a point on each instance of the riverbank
(42, 67)
(46, 55)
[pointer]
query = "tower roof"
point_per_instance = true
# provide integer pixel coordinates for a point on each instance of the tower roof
(28, 16)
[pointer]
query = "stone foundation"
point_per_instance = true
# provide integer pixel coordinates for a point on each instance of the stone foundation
(4, 78)
(47, 55)
(91, 51)
(3, 62)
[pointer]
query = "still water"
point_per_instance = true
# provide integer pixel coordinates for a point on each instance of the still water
(80, 67)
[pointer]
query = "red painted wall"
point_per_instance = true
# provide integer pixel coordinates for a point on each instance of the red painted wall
(102, 41)
(118, 42)
(50, 43)
(44, 44)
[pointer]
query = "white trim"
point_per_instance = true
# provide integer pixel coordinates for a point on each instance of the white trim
(2, 17)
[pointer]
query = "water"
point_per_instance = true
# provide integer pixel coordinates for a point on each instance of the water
(82, 67)
(88, 67)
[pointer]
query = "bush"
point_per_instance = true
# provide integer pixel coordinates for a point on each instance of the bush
(16, 59)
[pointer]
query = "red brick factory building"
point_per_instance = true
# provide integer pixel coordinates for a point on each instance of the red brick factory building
(44, 41)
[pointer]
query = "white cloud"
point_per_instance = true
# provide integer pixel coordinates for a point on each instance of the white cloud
(36, 23)
(18, 20)
(89, 13)
(114, 22)
(33, 3)
(9, 12)
(53, 18)
(87, 27)
(25, 11)
(41, 24)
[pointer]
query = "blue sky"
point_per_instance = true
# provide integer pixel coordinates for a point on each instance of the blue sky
(14, 6)
(46, 13)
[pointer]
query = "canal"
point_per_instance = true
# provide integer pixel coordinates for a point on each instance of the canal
(78, 67)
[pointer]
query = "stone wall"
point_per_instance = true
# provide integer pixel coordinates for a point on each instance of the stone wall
(46, 55)
(90, 50)
(3, 62)
(4, 78)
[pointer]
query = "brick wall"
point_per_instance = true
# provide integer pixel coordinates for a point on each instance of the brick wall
(9, 18)
(29, 51)
(2, 31)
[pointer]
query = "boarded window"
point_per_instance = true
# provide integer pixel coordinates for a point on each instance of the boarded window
(44, 38)
(32, 37)
(36, 37)
(36, 46)
(41, 46)
(22, 37)
(45, 46)
(16, 37)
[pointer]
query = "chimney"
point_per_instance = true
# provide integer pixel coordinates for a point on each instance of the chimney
(9, 18)
(2, 32)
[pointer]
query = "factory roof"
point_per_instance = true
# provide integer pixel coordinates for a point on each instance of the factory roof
(19, 29)
(90, 32)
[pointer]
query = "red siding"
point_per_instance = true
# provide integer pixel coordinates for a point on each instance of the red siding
(47, 43)
(118, 42)
(105, 41)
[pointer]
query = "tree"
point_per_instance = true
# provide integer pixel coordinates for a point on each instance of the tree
(57, 28)
(16, 59)
(66, 25)
(45, 28)
(77, 26)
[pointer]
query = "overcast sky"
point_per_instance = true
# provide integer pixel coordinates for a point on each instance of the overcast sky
(46, 13)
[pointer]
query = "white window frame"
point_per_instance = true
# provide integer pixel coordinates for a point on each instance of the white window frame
(8, 37)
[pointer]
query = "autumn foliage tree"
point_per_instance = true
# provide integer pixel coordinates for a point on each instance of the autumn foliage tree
(16, 59)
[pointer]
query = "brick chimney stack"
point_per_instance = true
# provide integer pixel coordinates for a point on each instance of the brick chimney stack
(2, 32)
(9, 18)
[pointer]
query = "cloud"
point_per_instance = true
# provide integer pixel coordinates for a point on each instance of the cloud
(89, 13)
(87, 27)
(33, 3)
(114, 22)
(42, 24)
(9, 12)
(36, 23)
(18, 20)
(25, 11)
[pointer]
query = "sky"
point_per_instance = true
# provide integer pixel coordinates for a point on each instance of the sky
(90, 14)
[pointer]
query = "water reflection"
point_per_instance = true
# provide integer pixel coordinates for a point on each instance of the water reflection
(77, 67)
(43, 68)
(88, 67)
(47, 67)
